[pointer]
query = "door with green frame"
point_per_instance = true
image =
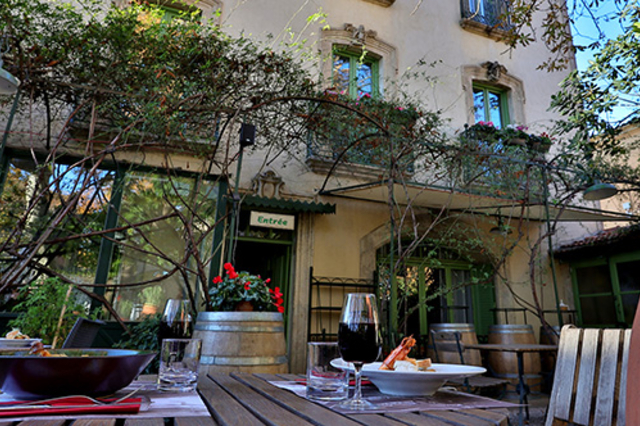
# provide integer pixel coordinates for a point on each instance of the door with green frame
(266, 252)
(443, 291)
(606, 291)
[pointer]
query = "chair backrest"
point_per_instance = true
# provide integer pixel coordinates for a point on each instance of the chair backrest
(633, 372)
(83, 333)
(589, 385)
(447, 341)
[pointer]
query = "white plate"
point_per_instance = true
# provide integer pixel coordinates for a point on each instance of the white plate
(17, 343)
(411, 383)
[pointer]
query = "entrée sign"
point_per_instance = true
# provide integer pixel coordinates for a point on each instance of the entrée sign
(272, 220)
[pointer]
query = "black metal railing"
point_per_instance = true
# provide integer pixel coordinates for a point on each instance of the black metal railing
(492, 13)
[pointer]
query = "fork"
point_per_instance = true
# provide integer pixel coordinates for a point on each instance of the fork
(47, 403)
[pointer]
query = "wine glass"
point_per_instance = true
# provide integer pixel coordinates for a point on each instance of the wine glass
(359, 340)
(176, 321)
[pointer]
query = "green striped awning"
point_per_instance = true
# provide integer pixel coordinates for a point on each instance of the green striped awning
(287, 205)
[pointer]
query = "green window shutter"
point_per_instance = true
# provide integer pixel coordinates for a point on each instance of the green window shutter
(484, 299)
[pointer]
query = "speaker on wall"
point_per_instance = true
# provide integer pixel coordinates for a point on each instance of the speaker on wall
(247, 134)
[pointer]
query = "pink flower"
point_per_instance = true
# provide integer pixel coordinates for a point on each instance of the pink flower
(485, 123)
(217, 280)
(247, 285)
(281, 309)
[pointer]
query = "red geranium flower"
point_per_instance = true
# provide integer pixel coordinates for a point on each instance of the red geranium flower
(235, 287)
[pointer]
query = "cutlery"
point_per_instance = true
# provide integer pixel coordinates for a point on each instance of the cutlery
(79, 401)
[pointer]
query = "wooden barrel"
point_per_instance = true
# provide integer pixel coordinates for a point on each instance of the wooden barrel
(505, 364)
(250, 342)
(467, 335)
(549, 337)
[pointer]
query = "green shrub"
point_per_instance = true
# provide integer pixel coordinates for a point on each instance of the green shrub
(144, 337)
(39, 308)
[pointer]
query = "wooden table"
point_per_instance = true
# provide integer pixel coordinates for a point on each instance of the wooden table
(249, 400)
(519, 349)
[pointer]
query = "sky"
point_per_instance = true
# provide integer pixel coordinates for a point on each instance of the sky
(585, 32)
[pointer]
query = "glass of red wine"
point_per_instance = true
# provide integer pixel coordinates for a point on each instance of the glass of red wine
(359, 340)
(176, 321)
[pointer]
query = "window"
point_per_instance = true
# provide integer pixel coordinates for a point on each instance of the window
(145, 206)
(607, 292)
(434, 287)
(356, 73)
(355, 61)
(149, 252)
(491, 13)
(493, 170)
(197, 10)
(490, 104)
(171, 13)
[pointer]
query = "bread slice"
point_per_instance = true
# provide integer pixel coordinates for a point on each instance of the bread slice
(423, 364)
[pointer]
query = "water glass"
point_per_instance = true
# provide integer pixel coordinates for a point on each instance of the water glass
(323, 380)
(179, 360)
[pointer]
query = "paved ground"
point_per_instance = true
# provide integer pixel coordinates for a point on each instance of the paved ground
(537, 409)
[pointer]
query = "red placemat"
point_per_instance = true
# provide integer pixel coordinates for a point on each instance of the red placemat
(70, 405)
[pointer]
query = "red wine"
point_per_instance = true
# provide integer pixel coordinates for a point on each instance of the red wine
(359, 342)
(175, 330)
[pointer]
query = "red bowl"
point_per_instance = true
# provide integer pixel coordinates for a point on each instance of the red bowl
(93, 372)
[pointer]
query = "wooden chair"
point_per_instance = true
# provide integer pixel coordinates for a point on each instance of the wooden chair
(82, 334)
(633, 372)
(589, 386)
(450, 341)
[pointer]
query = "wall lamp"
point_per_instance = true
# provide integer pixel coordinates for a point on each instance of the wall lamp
(501, 229)
(8, 83)
(599, 191)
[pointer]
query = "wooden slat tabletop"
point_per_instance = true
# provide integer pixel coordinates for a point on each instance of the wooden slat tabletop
(248, 400)
(267, 397)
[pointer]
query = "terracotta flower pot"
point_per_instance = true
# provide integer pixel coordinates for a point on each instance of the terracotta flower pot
(244, 306)
(149, 309)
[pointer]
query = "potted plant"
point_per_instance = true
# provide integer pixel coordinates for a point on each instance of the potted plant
(151, 299)
(482, 131)
(515, 135)
(243, 326)
(242, 291)
(540, 143)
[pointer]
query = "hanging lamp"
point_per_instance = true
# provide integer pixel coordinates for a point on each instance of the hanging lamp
(501, 229)
(8, 83)
(599, 191)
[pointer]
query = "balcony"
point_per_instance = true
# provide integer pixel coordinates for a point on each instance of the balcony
(487, 17)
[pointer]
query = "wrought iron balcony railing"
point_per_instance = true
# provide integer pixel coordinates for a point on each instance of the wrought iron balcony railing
(492, 13)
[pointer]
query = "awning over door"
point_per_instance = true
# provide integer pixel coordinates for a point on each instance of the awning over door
(436, 197)
(288, 205)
